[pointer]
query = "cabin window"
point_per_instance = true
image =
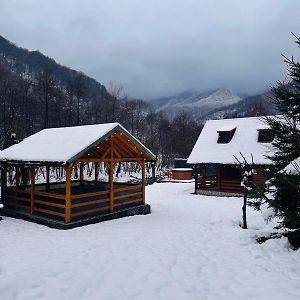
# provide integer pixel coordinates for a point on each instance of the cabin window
(225, 136)
(230, 172)
(207, 170)
(265, 135)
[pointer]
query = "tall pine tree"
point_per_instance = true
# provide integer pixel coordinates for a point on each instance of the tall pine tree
(282, 190)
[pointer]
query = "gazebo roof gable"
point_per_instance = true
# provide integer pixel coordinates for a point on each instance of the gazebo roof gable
(67, 144)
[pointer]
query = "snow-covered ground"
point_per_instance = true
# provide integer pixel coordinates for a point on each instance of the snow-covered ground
(190, 247)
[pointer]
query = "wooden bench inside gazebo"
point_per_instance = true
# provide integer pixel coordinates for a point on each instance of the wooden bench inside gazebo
(73, 201)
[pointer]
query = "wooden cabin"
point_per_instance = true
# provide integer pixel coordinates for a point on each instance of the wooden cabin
(215, 167)
(69, 199)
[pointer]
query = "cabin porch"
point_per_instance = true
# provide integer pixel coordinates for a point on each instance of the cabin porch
(222, 178)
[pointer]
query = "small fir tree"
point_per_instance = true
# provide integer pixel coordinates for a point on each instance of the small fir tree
(282, 191)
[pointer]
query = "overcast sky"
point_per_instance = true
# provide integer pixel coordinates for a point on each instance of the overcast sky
(161, 47)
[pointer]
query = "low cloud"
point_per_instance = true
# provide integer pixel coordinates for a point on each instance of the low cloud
(156, 48)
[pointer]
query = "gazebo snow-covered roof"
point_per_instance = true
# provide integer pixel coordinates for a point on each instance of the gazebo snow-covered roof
(64, 145)
(243, 137)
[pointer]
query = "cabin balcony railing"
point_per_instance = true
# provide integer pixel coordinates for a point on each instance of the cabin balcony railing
(214, 183)
(207, 183)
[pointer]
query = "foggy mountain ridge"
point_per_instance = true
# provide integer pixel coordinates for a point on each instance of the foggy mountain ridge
(199, 104)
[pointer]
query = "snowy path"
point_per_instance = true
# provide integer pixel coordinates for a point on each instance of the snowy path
(190, 247)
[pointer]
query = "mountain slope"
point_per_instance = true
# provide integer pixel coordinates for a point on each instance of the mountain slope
(23, 61)
(198, 104)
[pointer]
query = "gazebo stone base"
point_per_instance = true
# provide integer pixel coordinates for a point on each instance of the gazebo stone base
(131, 211)
(218, 193)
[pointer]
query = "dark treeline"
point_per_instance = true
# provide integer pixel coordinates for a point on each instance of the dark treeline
(34, 100)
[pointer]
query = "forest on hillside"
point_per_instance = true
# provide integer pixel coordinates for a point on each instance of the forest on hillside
(37, 93)
(30, 102)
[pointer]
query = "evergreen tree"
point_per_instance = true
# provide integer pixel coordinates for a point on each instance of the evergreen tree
(282, 190)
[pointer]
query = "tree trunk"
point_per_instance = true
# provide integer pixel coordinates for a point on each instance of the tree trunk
(244, 208)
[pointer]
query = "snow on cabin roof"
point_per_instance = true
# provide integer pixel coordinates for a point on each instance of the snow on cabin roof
(226, 128)
(61, 145)
(244, 140)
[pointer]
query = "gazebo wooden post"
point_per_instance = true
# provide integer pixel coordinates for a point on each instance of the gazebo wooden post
(111, 186)
(81, 172)
(32, 187)
(111, 176)
(17, 177)
(143, 179)
(68, 194)
(3, 182)
(219, 177)
(47, 178)
(96, 172)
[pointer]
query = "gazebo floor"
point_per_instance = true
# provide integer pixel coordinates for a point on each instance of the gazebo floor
(137, 209)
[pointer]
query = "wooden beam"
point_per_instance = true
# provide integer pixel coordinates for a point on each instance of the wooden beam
(81, 175)
(99, 160)
(106, 152)
(111, 177)
(96, 172)
(3, 183)
(68, 194)
(47, 178)
(17, 177)
(122, 147)
(32, 187)
(219, 177)
(128, 142)
(143, 180)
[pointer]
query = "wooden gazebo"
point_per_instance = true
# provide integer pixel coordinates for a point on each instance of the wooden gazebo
(73, 201)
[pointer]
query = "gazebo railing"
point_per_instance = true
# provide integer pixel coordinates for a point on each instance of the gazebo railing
(82, 205)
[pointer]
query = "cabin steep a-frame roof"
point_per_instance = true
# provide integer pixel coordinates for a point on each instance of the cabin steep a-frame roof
(244, 139)
(67, 144)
